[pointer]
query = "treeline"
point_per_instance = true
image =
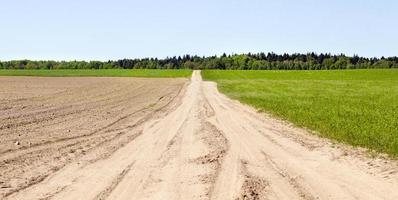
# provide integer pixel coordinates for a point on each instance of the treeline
(257, 61)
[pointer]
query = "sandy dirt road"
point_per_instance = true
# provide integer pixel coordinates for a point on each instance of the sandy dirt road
(202, 145)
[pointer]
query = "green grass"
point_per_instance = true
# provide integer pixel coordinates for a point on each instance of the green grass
(358, 107)
(101, 72)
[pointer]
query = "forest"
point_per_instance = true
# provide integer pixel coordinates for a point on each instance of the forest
(249, 61)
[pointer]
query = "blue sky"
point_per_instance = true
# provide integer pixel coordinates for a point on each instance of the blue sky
(114, 29)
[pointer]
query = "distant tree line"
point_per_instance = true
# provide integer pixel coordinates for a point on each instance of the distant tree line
(250, 61)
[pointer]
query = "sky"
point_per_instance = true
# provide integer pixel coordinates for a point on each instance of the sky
(116, 29)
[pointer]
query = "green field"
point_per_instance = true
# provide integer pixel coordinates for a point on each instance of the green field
(100, 72)
(358, 107)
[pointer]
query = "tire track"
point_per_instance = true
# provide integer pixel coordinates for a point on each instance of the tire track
(104, 194)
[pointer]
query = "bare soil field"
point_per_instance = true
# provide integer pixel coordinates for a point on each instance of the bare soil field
(127, 138)
(46, 123)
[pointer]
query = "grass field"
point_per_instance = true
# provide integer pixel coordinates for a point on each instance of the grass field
(98, 73)
(358, 107)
